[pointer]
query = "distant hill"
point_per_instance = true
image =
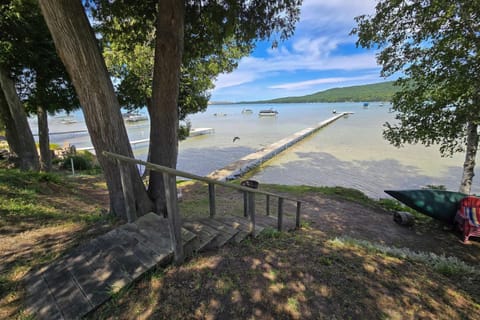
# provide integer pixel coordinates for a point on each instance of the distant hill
(371, 92)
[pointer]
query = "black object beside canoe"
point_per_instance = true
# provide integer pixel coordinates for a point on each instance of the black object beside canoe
(438, 204)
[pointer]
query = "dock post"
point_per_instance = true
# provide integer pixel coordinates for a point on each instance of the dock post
(211, 199)
(251, 212)
(297, 216)
(280, 214)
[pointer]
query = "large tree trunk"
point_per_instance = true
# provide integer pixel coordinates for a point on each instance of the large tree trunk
(163, 147)
(470, 155)
(44, 140)
(10, 132)
(78, 49)
(18, 130)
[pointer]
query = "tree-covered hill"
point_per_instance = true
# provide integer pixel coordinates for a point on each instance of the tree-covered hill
(370, 92)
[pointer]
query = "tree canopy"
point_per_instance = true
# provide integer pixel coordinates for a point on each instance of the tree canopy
(434, 46)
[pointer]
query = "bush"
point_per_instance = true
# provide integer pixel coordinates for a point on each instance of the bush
(80, 162)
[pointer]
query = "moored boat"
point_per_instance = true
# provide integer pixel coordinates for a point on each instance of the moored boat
(268, 113)
(439, 204)
(134, 117)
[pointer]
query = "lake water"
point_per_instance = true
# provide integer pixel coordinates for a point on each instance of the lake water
(350, 152)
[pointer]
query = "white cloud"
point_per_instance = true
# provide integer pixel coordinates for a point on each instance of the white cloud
(251, 69)
(319, 45)
(311, 83)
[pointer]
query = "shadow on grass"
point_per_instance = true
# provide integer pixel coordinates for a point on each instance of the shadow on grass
(294, 276)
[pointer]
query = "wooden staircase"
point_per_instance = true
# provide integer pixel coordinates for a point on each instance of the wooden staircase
(88, 276)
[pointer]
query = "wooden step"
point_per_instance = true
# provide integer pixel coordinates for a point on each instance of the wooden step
(226, 233)
(243, 225)
(85, 278)
(272, 222)
(205, 234)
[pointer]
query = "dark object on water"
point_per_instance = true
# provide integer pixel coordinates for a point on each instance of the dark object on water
(404, 218)
(268, 113)
(236, 138)
(365, 104)
(438, 204)
(250, 184)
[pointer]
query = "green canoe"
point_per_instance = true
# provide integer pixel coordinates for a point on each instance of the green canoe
(438, 204)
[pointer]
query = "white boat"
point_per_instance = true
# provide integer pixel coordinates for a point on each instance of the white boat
(247, 111)
(68, 120)
(268, 113)
(134, 117)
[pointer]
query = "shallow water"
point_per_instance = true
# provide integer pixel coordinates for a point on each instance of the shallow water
(350, 152)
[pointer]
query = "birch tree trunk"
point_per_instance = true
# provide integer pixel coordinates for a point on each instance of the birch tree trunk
(163, 147)
(44, 140)
(79, 51)
(18, 129)
(470, 155)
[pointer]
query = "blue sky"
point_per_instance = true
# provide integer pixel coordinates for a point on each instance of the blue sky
(321, 55)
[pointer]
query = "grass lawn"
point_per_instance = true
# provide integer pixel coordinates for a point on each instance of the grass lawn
(348, 261)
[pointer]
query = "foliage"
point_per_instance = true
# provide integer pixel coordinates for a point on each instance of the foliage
(216, 36)
(27, 49)
(79, 162)
(434, 45)
(371, 92)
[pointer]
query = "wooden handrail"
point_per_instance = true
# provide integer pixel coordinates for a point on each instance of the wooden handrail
(172, 206)
(188, 175)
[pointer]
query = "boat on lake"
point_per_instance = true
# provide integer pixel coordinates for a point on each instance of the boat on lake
(439, 204)
(365, 104)
(68, 120)
(247, 111)
(134, 117)
(268, 113)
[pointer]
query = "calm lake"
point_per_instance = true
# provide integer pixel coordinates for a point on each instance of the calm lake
(350, 152)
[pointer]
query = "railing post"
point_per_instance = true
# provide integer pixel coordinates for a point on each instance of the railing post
(251, 212)
(297, 217)
(128, 196)
(280, 214)
(245, 204)
(268, 205)
(174, 218)
(211, 199)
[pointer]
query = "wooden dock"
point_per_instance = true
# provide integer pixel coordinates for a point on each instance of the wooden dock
(253, 160)
(86, 277)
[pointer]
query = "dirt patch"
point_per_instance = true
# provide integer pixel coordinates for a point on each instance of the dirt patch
(39, 221)
(345, 218)
(307, 275)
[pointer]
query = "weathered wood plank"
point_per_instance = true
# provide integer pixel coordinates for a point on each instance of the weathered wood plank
(211, 199)
(67, 294)
(128, 195)
(160, 247)
(251, 211)
(40, 303)
(205, 234)
(108, 271)
(225, 233)
(241, 223)
(280, 214)
(297, 215)
(174, 217)
(267, 209)
(156, 229)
